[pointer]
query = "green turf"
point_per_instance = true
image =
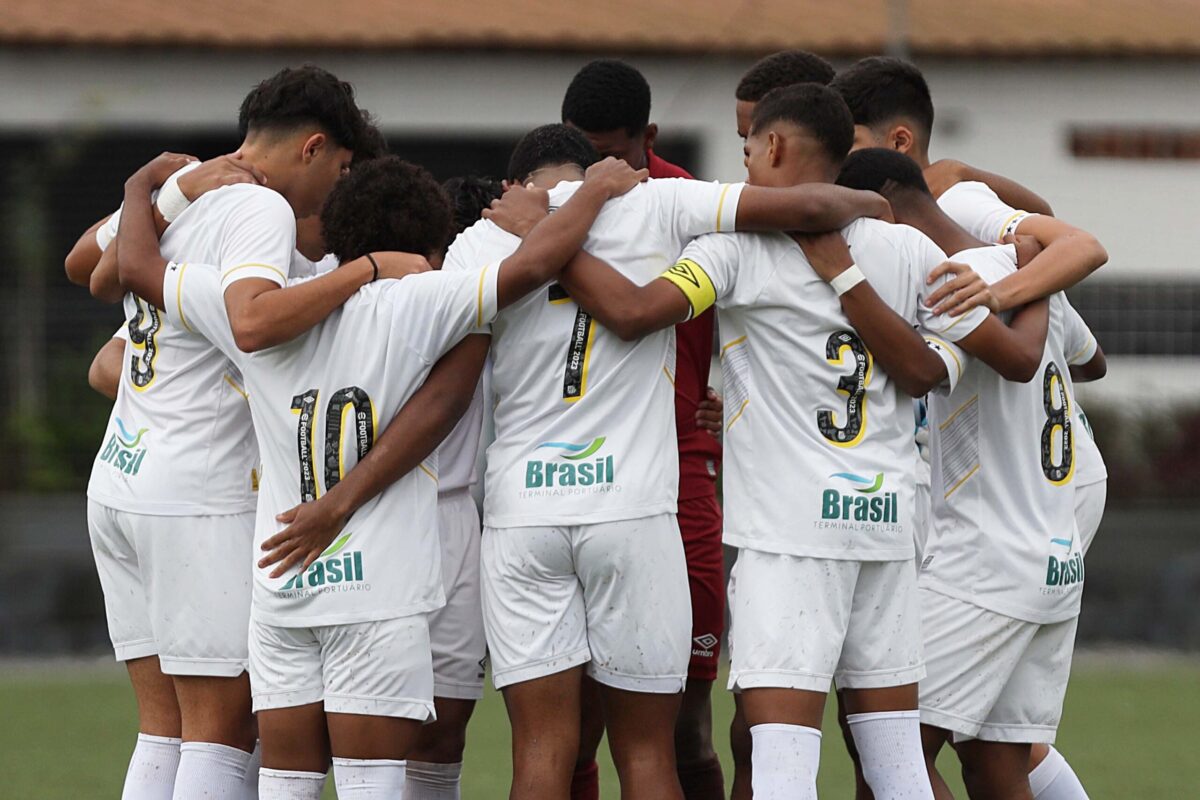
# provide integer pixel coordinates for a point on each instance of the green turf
(1128, 731)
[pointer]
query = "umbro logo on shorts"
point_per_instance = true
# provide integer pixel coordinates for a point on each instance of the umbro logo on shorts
(705, 643)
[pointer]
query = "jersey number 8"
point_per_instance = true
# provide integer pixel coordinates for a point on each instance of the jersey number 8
(1058, 417)
(344, 401)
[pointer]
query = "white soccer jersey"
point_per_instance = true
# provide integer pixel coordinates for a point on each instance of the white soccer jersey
(318, 402)
(978, 209)
(1004, 457)
(819, 452)
(179, 440)
(301, 267)
(458, 454)
(585, 429)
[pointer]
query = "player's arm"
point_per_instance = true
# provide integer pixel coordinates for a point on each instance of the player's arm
(84, 255)
(941, 175)
(415, 432)
(105, 281)
(894, 344)
(105, 373)
(809, 207)
(628, 310)
(558, 237)
(1093, 369)
(1015, 350)
(1082, 350)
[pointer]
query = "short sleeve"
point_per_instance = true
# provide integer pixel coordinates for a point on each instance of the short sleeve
(975, 207)
(259, 236)
(193, 300)
(122, 333)
(951, 354)
(691, 208)
(1079, 342)
(108, 231)
(926, 256)
(706, 271)
(446, 306)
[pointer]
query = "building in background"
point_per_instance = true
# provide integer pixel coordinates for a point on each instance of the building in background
(1096, 106)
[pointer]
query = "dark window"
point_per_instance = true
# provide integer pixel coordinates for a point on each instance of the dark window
(1145, 319)
(1135, 142)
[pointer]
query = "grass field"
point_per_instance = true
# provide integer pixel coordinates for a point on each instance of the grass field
(1129, 730)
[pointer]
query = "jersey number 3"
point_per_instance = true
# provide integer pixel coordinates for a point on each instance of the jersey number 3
(344, 401)
(845, 349)
(143, 335)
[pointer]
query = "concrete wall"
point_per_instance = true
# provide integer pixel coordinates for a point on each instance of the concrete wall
(1010, 118)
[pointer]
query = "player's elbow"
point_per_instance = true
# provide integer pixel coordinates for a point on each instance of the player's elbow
(249, 336)
(1097, 256)
(79, 272)
(922, 379)
(1022, 367)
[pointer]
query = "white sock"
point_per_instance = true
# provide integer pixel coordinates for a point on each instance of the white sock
(784, 762)
(1053, 779)
(209, 771)
(151, 774)
(889, 749)
(374, 779)
(284, 784)
(250, 783)
(428, 781)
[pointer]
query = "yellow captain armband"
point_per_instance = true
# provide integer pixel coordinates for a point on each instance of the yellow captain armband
(695, 284)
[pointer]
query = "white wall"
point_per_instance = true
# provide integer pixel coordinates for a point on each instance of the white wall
(1010, 118)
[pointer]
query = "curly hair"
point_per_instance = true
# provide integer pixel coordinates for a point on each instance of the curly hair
(607, 95)
(550, 146)
(880, 90)
(783, 69)
(385, 204)
(817, 109)
(372, 145)
(302, 95)
(469, 196)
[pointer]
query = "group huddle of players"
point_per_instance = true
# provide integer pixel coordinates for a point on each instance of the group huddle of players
(281, 514)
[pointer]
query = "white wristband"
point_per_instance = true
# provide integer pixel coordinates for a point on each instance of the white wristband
(171, 200)
(847, 280)
(108, 231)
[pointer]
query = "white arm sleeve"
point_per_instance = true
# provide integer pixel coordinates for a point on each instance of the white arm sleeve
(193, 299)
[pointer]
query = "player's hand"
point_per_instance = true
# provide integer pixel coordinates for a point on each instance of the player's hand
(710, 414)
(1027, 247)
(827, 252)
(960, 294)
(312, 527)
(614, 176)
(395, 265)
(519, 208)
(217, 172)
(156, 171)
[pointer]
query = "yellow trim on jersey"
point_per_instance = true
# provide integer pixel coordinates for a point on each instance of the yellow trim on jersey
(732, 343)
(693, 281)
(1091, 343)
(721, 204)
(587, 361)
(227, 273)
(738, 415)
(668, 374)
(949, 350)
(1007, 222)
(958, 411)
(961, 481)
(179, 298)
(428, 471)
(479, 297)
(237, 388)
(342, 435)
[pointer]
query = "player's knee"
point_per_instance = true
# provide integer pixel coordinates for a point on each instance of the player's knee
(444, 746)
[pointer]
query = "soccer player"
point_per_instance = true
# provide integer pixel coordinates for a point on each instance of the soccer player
(340, 651)
(609, 101)
(785, 68)
(1005, 710)
(808, 591)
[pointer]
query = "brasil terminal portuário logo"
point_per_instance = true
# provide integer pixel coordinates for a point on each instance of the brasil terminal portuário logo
(857, 507)
(575, 465)
(124, 450)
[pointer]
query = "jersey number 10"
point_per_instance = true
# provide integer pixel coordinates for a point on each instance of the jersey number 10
(344, 401)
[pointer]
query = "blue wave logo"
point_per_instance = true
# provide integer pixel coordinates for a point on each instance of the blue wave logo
(864, 485)
(127, 439)
(575, 452)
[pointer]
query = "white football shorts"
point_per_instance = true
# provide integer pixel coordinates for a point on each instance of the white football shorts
(992, 677)
(176, 587)
(456, 629)
(613, 595)
(380, 668)
(803, 623)
(1089, 511)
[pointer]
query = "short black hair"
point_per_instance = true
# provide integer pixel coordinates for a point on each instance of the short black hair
(469, 196)
(385, 204)
(881, 89)
(818, 109)
(781, 69)
(550, 146)
(874, 167)
(372, 145)
(607, 95)
(303, 95)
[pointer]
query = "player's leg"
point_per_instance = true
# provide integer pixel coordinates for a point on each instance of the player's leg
(458, 647)
(639, 626)
(880, 664)
(378, 685)
(932, 741)
(740, 747)
(536, 629)
(585, 783)
(862, 789)
(995, 770)
(155, 759)
(1051, 777)
(200, 610)
(699, 768)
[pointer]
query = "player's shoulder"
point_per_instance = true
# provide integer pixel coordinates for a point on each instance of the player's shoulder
(477, 245)
(868, 233)
(992, 262)
(966, 191)
(242, 199)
